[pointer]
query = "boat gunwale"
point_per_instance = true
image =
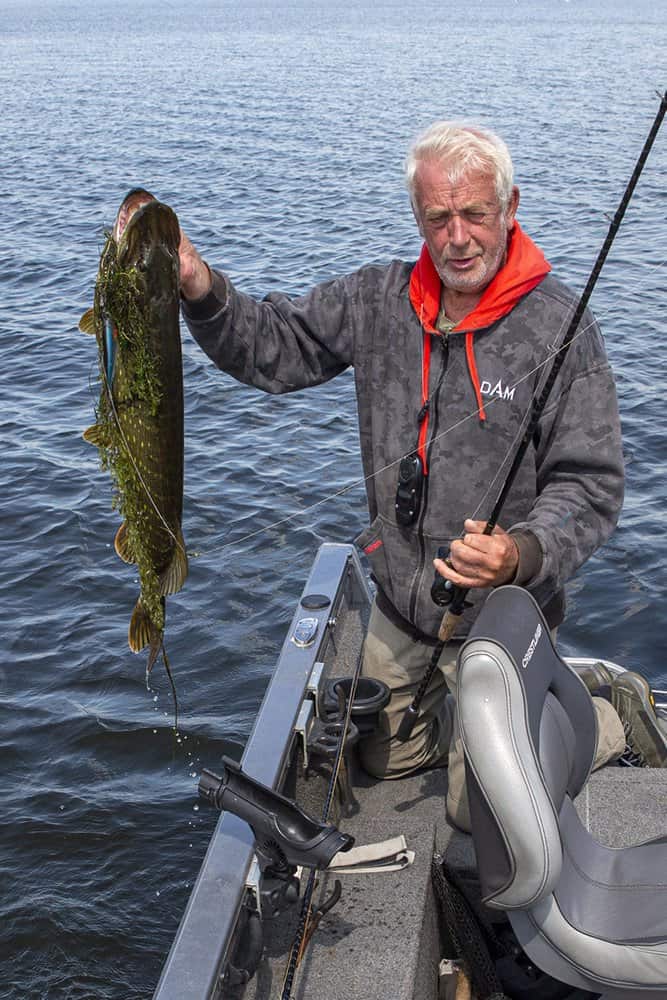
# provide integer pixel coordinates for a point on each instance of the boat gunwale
(200, 950)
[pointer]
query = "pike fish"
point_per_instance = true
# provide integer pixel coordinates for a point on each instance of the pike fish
(139, 417)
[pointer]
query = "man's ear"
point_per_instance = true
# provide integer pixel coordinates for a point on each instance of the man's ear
(510, 213)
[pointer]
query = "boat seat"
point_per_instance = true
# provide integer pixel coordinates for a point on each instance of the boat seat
(590, 916)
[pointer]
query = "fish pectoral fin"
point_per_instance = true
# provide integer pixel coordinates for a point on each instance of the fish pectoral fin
(141, 632)
(87, 322)
(173, 578)
(123, 545)
(96, 435)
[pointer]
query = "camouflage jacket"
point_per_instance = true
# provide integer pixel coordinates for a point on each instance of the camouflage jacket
(568, 493)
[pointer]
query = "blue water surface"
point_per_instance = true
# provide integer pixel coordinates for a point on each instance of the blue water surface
(277, 132)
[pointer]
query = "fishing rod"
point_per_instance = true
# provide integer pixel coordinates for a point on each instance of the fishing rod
(443, 592)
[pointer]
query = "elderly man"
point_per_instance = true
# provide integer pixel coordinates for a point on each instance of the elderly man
(448, 353)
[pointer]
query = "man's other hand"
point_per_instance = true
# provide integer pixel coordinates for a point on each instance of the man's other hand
(195, 273)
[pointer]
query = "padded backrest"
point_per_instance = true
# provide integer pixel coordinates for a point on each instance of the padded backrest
(529, 733)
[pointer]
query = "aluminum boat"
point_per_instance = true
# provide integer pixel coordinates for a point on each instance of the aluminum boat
(377, 933)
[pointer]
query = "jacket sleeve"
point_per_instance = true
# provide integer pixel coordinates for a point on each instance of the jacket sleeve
(279, 344)
(580, 471)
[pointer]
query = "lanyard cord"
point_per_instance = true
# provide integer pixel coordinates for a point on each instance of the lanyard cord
(423, 415)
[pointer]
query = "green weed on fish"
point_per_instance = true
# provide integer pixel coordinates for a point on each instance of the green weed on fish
(139, 415)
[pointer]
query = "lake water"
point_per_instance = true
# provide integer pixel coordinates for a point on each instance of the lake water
(277, 132)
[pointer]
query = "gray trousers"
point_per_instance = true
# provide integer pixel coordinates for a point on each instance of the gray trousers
(395, 658)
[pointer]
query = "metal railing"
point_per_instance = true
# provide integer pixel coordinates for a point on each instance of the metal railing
(200, 951)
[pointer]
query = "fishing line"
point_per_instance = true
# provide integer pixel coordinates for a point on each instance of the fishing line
(362, 482)
(470, 416)
(291, 517)
(167, 667)
(359, 482)
(570, 338)
(237, 543)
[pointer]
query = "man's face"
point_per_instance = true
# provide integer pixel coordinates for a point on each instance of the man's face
(463, 225)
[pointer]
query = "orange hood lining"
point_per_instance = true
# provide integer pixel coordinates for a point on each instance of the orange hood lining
(524, 268)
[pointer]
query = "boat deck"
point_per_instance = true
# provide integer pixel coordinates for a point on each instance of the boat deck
(381, 939)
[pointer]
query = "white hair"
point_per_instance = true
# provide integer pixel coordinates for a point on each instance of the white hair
(462, 148)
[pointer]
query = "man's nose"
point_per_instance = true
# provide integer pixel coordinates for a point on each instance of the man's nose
(458, 231)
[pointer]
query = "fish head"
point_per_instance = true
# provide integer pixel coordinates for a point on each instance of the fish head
(143, 223)
(132, 202)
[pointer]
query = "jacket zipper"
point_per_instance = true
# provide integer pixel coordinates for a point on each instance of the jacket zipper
(433, 419)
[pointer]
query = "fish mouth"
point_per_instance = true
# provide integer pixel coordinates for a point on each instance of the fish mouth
(142, 223)
(132, 202)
